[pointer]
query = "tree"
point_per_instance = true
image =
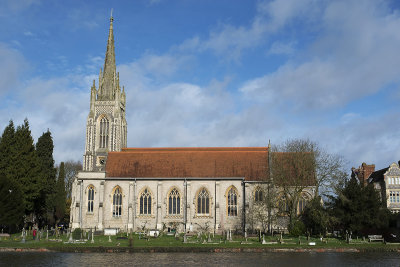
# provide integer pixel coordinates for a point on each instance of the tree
(61, 195)
(359, 209)
(26, 165)
(45, 204)
(262, 209)
(315, 217)
(300, 164)
(71, 170)
(7, 151)
(11, 204)
(293, 171)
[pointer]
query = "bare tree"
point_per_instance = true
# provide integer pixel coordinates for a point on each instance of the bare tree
(299, 165)
(71, 170)
(262, 211)
(293, 170)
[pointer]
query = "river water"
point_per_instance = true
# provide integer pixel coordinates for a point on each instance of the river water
(297, 259)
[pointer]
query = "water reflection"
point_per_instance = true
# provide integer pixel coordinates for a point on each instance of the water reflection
(199, 259)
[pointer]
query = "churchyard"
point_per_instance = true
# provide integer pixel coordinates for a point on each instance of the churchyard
(179, 242)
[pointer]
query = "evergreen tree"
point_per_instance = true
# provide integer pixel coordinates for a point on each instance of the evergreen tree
(359, 209)
(45, 204)
(61, 194)
(315, 217)
(11, 204)
(26, 167)
(7, 152)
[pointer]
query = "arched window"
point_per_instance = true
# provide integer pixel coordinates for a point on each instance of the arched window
(232, 202)
(301, 205)
(90, 198)
(145, 202)
(203, 202)
(283, 205)
(117, 202)
(104, 128)
(174, 202)
(258, 195)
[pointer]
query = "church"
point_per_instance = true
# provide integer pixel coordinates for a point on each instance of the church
(208, 189)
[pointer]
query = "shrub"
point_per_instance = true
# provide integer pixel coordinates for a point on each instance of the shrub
(297, 228)
(76, 234)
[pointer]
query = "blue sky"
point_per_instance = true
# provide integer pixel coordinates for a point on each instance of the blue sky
(210, 73)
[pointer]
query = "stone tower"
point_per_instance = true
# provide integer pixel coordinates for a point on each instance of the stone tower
(106, 128)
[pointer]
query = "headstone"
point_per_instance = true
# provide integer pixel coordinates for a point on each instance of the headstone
(70, 240)
(92, 237)
(109, 238)
(263, 240)
(47, 235)
(23, 236)
(185, 239)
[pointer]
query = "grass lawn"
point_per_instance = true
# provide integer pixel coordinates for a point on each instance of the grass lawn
(164, 241)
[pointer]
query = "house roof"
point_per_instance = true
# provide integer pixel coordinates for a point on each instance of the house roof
(250, 163)
(378, 175)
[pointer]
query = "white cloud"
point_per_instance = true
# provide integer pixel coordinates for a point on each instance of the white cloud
(357, 55)
(10, 7)
(12, 66)
(279, 48)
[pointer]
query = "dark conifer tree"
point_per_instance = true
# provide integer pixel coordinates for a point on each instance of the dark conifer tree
(26, 167)
(45, 204)
(7, 151)
(11, 205)
(359, 209)
(61, 194)
(11, 200)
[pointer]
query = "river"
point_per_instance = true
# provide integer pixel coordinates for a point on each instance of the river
(297, 259)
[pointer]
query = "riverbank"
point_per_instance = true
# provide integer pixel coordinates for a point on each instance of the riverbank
(135, 243)
(197, 250)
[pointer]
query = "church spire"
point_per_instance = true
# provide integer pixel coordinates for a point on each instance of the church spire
(108, 87)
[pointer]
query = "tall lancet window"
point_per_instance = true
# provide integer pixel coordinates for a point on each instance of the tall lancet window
(117, 202)
(90, 198)
(232, 202)
(104, 129)
(174, 202)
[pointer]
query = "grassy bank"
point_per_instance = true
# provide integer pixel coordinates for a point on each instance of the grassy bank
(164, 243)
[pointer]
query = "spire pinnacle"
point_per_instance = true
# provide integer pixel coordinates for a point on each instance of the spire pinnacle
(108, 85)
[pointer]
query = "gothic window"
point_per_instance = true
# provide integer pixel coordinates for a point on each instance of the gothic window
(302, 205)
(174, 202)
(145, 202)
(117, 202)
(90, 198)
(232, 202)
(104, 129)
(283, 205)
(258, 195)
(203, 202)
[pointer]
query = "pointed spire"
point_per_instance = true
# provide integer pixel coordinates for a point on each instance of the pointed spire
(108, 84)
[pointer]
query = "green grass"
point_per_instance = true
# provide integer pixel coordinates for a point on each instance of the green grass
(165, 241)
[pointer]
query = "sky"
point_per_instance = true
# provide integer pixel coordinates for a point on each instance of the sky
(210, 73)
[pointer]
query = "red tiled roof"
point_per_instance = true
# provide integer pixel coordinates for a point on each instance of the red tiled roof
(213, 162)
